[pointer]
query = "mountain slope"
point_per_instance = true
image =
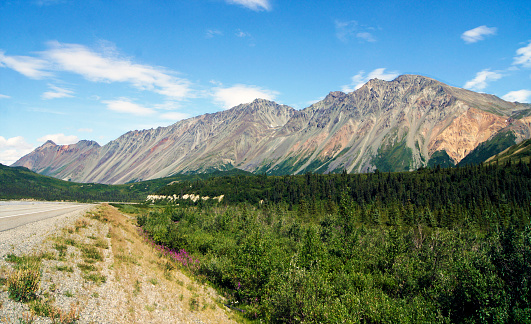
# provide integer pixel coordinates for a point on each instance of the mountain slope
(56, 160)
(392, 126)
(207, 142)
(514, 154)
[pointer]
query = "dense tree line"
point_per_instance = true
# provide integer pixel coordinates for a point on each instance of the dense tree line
(441, 196)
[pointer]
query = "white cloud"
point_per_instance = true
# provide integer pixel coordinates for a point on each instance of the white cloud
(241, 93)
(59, 139)
(240, 33)
(2, 96)
(210, 33)
(174, 116)
(128, 107)
(360, 79)
(482, 78)
(518, 95)
(108, 67)
(523, 57)
(366, 36)
(13, 148)
(478, 33)
(256, 5)
(31, 67)
(85, 130)
(345, 30)
(57, 93)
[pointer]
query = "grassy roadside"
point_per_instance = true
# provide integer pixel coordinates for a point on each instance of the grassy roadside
(100, 270)
(153, 285)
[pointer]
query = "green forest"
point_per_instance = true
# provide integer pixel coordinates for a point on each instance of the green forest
(436, 245)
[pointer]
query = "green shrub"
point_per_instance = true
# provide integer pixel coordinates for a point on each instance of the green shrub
(23, 284)
(91, 252)
(96, 278)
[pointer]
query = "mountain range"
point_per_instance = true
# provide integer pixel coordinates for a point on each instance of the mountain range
(400, 125)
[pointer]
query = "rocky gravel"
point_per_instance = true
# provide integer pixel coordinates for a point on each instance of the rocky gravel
(87, 288)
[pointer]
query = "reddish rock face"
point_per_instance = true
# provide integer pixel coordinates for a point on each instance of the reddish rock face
(343, 131)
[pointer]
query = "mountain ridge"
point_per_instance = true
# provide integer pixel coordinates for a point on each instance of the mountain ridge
(390, 125)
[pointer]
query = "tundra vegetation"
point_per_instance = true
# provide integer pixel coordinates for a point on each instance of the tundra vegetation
(436, 245)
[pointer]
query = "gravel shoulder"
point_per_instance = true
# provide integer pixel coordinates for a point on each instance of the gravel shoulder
(96, 268)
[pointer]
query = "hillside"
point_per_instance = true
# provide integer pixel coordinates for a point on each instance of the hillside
(400, 125)
(21, 183)
(515, 153)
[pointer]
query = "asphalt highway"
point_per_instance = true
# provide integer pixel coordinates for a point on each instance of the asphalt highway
(15, 214)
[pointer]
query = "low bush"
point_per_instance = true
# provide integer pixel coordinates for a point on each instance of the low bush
(23, 284)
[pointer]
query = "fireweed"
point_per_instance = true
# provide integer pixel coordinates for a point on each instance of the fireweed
(182, 257)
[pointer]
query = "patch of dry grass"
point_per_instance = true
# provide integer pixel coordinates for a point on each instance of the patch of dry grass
(152, 282)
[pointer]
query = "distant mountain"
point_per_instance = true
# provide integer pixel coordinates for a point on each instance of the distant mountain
(410, 122)
(51, 159)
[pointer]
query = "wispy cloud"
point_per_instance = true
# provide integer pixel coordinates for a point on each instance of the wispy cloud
(57, 93)
(361, 78)
(34, 68)
(346, 30)
(99, 67)
(240, 33)
(85, 130)
(2, 96)
(523, 95)
(366, 36)
(104, 66)
(482, 79)
(12, 149)
(478, 33)
(211, 33)
(256, 5)
(59, 139)
(523, 56)
(127, 107)
(241, 93)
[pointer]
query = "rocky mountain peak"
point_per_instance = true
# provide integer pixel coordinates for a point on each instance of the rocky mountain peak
(88, 143)
(49, 143)
(335, 95)
(393, 125)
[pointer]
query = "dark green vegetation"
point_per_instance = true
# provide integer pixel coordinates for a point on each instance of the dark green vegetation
(20, 183)
(442, 159)
(493, 146)
(436, 245)
(396, 157)
(437, 188)
(517, 152)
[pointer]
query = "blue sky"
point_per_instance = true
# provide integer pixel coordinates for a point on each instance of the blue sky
(95, 69)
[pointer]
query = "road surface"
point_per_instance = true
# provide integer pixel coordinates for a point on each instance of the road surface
(15, 214)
